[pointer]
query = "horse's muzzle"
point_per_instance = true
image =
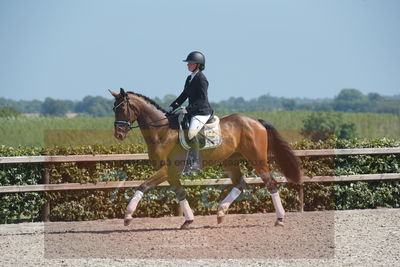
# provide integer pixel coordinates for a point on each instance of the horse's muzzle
(120, 135)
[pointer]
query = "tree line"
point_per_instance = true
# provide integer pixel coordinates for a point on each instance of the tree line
(348, 100)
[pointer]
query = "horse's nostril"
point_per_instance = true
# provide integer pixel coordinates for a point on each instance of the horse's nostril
(119, 136)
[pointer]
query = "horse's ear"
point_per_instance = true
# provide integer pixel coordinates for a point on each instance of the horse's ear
(122, 92)
(114, 94)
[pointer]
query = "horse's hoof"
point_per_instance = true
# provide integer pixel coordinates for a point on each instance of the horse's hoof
(186, 225)
(127, 220)
(279, 222)
(221, 214)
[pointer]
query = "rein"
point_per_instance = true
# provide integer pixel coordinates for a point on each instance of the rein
(128, 124)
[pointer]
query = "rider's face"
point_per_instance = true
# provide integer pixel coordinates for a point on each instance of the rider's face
(191, 66)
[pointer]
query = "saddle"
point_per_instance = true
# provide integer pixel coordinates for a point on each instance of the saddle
(209, 136)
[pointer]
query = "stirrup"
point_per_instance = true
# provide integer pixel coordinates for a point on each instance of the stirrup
(190, 171)
(193, 165)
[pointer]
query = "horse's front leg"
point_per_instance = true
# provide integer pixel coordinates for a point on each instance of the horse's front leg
(233, 169)
(159, 177)
(173, 180)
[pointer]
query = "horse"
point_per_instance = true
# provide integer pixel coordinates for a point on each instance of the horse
(243, 138)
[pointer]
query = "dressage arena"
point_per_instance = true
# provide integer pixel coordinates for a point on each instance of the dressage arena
(354, 237)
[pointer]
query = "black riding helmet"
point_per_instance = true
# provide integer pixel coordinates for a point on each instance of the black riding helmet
(196, 57)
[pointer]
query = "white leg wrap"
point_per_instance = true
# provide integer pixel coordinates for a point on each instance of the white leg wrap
(276, 199)
(228, 200)
(134, 202)
(187, 211)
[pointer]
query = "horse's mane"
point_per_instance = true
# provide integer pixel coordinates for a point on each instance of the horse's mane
(149, 100)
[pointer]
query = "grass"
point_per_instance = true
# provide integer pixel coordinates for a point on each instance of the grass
(50, 131)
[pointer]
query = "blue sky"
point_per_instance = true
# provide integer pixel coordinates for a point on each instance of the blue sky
(292, 48)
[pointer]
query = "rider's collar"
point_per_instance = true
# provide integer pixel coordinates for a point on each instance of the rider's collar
(194, 74)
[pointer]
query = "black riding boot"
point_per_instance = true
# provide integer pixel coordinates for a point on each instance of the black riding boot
(193, 161)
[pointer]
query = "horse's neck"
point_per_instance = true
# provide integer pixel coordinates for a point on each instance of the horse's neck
(150, 117)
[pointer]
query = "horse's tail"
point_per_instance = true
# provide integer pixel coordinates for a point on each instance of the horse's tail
(284, 156)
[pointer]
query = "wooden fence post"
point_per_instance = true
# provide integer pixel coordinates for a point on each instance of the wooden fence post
(46, 205)
(301, 197)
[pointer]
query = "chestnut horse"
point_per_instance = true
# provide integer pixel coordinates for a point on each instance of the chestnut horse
(244, 138)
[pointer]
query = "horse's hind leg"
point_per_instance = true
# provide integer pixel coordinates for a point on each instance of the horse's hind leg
(233, 169)
(257, 157)
(159, 177)
(271, 184)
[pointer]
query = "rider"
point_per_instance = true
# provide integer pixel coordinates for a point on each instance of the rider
(199, 108)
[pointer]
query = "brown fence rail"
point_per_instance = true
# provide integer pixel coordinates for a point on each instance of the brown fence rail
(222, 181)
(46, 187)
(144, 156)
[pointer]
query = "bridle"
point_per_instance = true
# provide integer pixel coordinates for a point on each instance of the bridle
(123, 125)
(126, 125)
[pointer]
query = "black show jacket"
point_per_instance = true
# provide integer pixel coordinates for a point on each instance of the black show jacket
(196, 91)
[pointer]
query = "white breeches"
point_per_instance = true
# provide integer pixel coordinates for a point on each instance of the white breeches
(196, 123)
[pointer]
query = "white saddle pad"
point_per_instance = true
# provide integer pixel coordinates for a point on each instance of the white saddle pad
(210, 135)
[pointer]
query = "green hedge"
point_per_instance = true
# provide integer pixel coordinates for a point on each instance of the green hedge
(20, 206)
(98, 204)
